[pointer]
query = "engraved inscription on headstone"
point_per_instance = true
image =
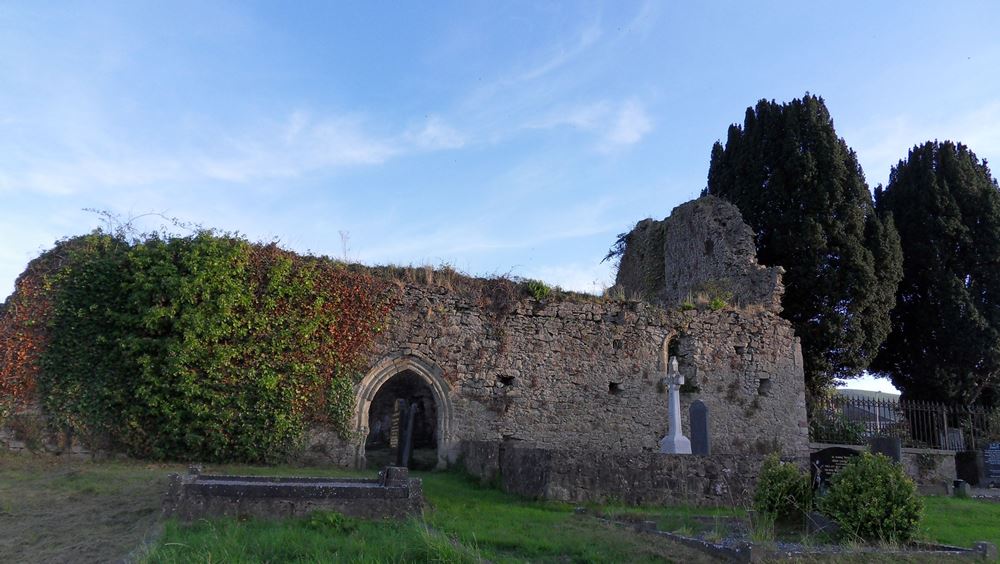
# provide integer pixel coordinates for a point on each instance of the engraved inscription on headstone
(991, 464)
(700, 443)
(825, 463)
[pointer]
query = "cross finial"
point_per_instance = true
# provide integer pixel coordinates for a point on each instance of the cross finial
(674, 377)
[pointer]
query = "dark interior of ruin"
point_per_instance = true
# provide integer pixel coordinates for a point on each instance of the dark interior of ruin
(417, 395)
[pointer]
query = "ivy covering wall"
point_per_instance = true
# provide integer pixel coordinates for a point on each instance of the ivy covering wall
(205, 347)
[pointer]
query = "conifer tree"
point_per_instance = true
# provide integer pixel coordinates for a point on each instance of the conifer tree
(802, 191)
(945, 340)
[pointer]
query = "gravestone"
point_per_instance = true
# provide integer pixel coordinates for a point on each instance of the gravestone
(991, 465)
(952, 439)
(700, 443)
(823, 464)
(406, 447)
(399, 406)
(889, 446)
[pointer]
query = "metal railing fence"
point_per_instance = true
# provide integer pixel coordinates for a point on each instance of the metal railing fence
(921, 424)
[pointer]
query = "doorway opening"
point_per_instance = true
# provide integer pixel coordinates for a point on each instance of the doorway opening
(384, 437)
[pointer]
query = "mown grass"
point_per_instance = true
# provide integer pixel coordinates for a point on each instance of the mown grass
(960, 522)
(463, 523)
(53, 510)
(322, 537)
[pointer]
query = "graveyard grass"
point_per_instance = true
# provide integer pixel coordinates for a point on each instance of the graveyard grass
(53, 510)
(961, 522)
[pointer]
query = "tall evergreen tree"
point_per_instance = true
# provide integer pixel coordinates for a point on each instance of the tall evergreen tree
(945, 340)
(802, 191)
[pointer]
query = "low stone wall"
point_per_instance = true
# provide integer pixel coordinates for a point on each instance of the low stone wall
(28, 432)
(632, 478)
(194, 496)
(933, 470)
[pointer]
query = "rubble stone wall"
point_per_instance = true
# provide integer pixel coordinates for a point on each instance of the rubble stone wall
(642, 478)
(586, 375)
(702, 249)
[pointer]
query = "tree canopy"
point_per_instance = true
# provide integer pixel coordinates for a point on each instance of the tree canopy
(945, 340)
(802, 191)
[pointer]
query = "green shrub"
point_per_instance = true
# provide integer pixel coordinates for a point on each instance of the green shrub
(206, 347)
(872, 499)
(826, 426)
(783, 491)
(538, 289)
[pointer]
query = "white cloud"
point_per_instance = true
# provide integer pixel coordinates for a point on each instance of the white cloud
(618, 125)
(292, 147)
(436, 135)
(592, 278)
(630, 125)
(583, 117)
(562, 54)
(882, 144)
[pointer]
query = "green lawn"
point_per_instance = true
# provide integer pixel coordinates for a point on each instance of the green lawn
(53, 510)
(463, 523)
(960, 522)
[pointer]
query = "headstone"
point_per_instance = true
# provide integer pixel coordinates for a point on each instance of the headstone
(969, 467)
(889, 446)
(675, 442)
(961, 488)
(698, 413)
(952, 439)
(397, 413)
(825, 463)
(407, 446)
(991, 465)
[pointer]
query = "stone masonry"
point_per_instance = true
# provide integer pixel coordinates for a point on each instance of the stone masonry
(704, 248)
(584, 375)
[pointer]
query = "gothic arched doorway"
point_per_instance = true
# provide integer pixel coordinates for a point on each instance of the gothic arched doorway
(384, 437)
(419, 384)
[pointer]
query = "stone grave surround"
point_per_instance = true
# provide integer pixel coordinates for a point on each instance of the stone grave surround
(581, 375)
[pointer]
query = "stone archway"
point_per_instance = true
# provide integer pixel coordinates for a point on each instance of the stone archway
(411, 367)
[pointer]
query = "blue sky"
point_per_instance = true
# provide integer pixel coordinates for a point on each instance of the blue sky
(496, 137)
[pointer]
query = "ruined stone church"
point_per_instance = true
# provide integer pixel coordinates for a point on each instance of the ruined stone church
(550, 394)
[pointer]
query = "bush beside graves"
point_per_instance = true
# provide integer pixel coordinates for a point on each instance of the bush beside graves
(872, 499)
(783, 491)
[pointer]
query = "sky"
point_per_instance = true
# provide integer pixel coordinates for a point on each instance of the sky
(499, 138)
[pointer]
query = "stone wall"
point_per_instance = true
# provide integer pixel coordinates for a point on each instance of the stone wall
(933, 470)
(28, 432)
(703, 249)
(586, 374)
(642, 478)
(564, 374)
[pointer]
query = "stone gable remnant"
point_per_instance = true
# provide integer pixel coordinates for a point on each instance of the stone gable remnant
(702, 250)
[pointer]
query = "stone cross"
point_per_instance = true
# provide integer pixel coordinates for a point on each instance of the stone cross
(675, 442)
